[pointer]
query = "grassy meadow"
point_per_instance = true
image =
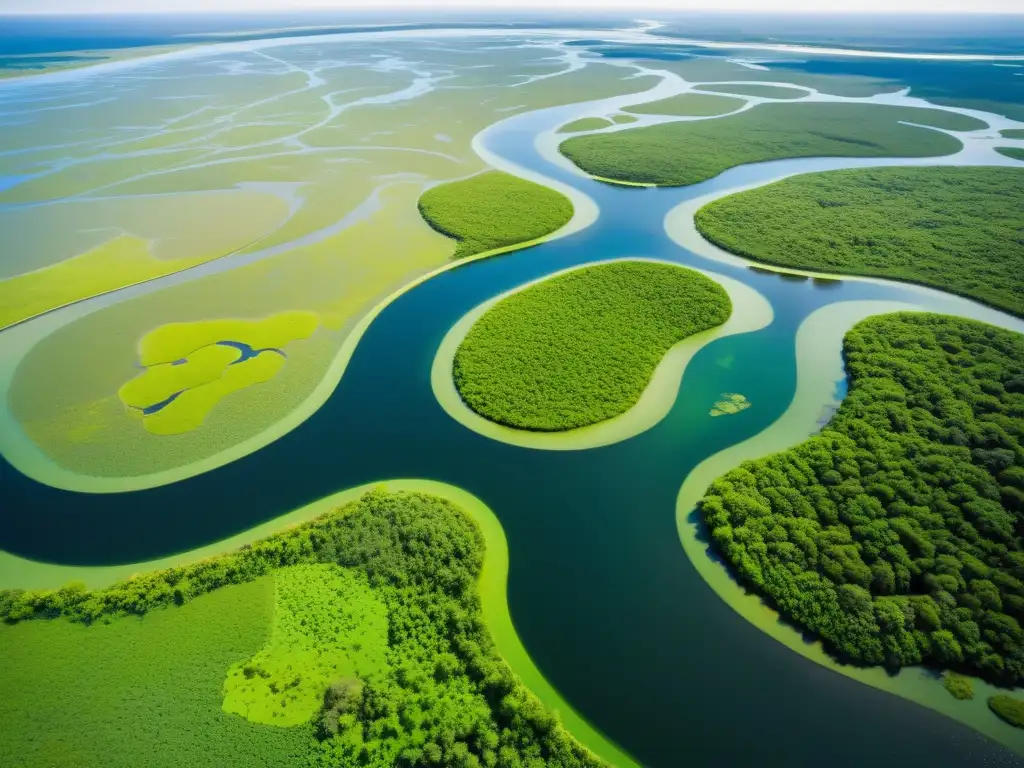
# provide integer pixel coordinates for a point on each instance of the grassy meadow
(677, 154)
(957, 229)
(581, 347)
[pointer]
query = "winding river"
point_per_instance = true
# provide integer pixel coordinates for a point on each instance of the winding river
(605, 599)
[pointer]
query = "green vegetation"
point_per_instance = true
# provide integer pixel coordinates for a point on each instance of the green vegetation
(730, 403)
(689, 152)
(585, 124)
(442, 696)
(764, 91)
(493, 210)
(893, 534)
(580, 347)
(138, 690)
(1012, 133)
(689, 105)
(622, 119)
(959, 687)
(1016, 153)
(958, 229)
(1009, 709)
(328, 625)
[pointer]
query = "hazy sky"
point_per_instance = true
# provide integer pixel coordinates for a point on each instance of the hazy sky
(633, 6)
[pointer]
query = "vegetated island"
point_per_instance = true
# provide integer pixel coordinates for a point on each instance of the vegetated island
(959, 686)
(1015, 153)
(580, 347)
(493, 210)
(1012, 133)
(1008, 709)
(689, 105)
(893, 535)
(958, 229)
(359, 635)
(585, 124)
(688, 152)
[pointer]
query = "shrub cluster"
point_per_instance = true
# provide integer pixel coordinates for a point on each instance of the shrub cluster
(894, 535)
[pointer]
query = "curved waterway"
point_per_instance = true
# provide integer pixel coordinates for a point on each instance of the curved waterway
(602, 594)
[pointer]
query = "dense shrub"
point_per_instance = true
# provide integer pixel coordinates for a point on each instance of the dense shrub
(493, 210)
(958, 229)
(1009, 709)
(581, 347)
(894, 535)
(959, 687)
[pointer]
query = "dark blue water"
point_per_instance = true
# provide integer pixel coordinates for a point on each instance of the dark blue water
(601, 592)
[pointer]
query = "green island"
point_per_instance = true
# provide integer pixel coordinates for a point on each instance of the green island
(754, 89)
(1015, 153)
(585, 124)
(689, 105)
(1012, 133)
(353, 639)
(580, 347)
(652, 154)
(959, 687)
(622, 119)
(891, 535)
(957, 229)
(1008, 709)
(493, 210)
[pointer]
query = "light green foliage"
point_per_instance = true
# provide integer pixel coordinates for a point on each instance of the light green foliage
(1012, 133)
(444, 698)
(959, 687)
(138, 690)
(585, 124)
(755, 89)
(1009, 709)
(622, 119)
(581, 347)
(688, 152)
(689, 105)
(958, 229)
(493, 210)
(327, 625)
(1016, 153)
(893, 534)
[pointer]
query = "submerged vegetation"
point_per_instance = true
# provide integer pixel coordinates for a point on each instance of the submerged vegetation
(580, 347)
(689, 105)
(440, 696)
(681, 153)
(958, 229)
(494, 210)
(893, 535)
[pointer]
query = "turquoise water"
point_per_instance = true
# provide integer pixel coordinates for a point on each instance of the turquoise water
(601, 592)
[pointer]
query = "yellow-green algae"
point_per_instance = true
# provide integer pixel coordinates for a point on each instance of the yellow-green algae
(730, 403)
(158, 382)
(751, 311)
(17, 572)
(819, 366)
(328, 624)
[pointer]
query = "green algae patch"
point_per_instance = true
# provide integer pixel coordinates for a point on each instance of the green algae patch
(1008, 709)
(957, 229)
(160, 382)
(689, 105)
(142, 689)
(585, 124)
(730, 403)
(959, 686)
(581, 347)
(682, 153)
(494, 210)
(754, 89)
(175, 341)
(1014, 153)
(328, 625)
